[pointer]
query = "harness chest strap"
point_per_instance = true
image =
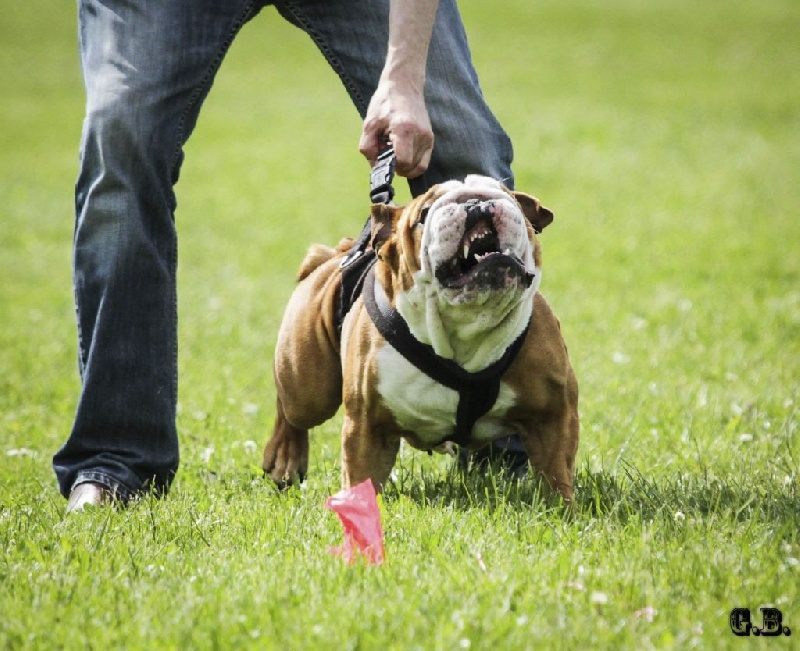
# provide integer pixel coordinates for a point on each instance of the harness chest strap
(477, 392)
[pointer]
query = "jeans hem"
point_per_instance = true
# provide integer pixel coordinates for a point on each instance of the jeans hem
(117, 489)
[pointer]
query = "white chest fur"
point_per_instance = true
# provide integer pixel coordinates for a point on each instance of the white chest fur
(428, 409)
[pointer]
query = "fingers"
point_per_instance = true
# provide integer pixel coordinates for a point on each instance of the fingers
(370, 143)
(412, 147)
(412, 142)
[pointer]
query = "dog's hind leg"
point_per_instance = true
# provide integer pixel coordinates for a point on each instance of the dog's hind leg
(302, 404)
(308, 375)
(285, 457)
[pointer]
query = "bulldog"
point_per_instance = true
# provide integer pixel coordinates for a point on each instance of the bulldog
(450, 341)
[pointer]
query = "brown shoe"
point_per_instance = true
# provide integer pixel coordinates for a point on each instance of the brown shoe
(87, 494)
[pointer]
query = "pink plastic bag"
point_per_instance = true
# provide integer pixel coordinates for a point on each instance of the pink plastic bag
(357, 508)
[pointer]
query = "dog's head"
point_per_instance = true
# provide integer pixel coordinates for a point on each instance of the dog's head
(469, 239)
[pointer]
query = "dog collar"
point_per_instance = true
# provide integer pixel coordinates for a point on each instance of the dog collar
(477, 392)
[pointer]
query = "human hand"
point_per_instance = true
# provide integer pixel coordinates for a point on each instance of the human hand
(397, 111)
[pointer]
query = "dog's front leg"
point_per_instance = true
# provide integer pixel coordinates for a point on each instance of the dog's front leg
(367, 453)
(551, 441)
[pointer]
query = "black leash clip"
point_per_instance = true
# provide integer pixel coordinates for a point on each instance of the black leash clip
(380, 191)
(382, 175)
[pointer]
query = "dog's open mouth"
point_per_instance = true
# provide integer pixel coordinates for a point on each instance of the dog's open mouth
(479, 260)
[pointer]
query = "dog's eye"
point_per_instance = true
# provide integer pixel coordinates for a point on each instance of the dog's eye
(423, 216)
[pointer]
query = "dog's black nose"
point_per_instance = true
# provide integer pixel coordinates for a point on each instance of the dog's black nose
(477, 210)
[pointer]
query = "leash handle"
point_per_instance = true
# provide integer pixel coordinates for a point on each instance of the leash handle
(382, 175)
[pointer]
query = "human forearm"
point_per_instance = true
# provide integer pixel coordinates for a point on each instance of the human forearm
(397, 110)
(410, 29)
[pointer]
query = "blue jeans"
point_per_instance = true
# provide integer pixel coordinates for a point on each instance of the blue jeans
(147, 69)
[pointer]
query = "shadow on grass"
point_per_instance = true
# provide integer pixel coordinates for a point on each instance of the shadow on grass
(621, 496)
(739, 497)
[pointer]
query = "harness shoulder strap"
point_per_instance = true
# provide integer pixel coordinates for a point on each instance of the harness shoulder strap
(358, 261)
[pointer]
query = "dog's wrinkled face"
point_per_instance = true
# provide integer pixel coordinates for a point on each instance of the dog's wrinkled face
(461, 264)
(476, 240)
(473, 237)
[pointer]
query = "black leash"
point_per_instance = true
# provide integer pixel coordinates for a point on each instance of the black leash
(361, 258)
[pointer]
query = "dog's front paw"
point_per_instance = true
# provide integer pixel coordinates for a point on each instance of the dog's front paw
(286, 455)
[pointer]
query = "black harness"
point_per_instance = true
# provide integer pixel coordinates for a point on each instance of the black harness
(478, 391)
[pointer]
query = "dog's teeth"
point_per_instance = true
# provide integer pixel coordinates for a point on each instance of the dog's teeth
(466, 250)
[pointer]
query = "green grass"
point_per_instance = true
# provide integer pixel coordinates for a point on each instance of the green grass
(666, 138)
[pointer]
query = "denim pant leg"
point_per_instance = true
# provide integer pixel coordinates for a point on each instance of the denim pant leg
(353, 36)
(146, 71)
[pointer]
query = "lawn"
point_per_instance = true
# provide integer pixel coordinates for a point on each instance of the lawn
(666, 139)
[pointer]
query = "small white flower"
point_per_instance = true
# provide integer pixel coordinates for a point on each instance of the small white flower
(205, 455)
(21, 452)
(745, 438)
(250, 446)
(249, 409)
(679, 516)
(599, 598)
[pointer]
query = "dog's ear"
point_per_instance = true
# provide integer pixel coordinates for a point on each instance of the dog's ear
(382, 222)
(535, 212)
